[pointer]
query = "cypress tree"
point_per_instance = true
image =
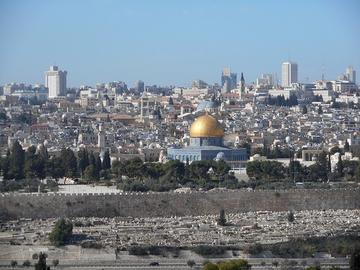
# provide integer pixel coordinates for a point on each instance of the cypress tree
(106, 164)
(83, 160)
(346, 146)
(17, 161)
(340, 166)
(97, 167)
(69, 162)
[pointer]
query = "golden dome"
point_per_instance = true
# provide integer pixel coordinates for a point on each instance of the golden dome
(206, 126)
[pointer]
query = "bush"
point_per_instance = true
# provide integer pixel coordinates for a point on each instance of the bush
(55, 262)
(91, 244)
(154, 250)
(291, 217)
(222, 218)
(13, 263)
(229, 265)
(26, 263)
(255, 249)
(35, 256)
(209, 250)
(191, 263)
(138, 251)
(299, 248)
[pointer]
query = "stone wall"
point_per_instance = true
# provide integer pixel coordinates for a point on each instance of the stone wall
(14, 206)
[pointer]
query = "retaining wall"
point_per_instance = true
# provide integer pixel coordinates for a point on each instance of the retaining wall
(14, 206)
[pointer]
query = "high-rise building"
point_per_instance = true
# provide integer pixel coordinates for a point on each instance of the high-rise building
(140, 86)
(350, 74)
(200, 84)
(289, 74)
(55, 81)
(228, 80)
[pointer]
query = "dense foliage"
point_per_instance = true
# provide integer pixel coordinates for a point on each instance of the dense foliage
(282, 101)
(211, 251)
(41, 264)
(228, 265)
(320, 171)
(142, 177)
(25, 170)
(300, 248)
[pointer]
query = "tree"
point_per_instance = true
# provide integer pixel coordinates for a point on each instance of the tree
(304, 110)
(357, 172)
(90, 173)
(291, 217)
(313, 268)
(234, 265)
(211, 266)
(17, 161)
(26, 263)
(92, 159)
(55, 262)
(266, 170)
(83, 160)
(191, 263)
(335, 149)
(43, 153)
(116, 167)
(97, 166)
(5, 166)
(55, 168)
(106, 164)
(69, 162)
(322, 167)
(13, 263)
(346, 146)
(320, 110)
(222, 218)
(340, 167)
(61, 232)
(34, 164)
(355, 260)
(41, 264)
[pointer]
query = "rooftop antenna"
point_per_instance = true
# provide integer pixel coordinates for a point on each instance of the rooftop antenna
(322, 72)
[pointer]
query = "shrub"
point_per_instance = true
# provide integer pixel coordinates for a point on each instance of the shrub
(55, 262)
(138, 251)
(26, 263)
(291, 217)
(209, 250)
(91, 244)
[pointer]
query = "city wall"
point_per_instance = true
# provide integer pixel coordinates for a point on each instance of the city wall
(14, 206)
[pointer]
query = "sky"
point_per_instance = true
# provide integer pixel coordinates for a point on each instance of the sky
(175, 42)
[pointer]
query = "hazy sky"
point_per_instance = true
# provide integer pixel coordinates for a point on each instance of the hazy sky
(174, 42)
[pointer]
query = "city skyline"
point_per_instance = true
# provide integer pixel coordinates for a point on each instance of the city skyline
(174, 44)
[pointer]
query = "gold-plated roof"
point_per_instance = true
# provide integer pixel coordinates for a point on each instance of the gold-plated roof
(206, 126)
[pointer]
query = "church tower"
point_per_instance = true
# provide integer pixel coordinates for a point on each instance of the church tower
(242, 85)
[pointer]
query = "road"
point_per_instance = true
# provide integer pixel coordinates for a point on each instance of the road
(180, 264)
